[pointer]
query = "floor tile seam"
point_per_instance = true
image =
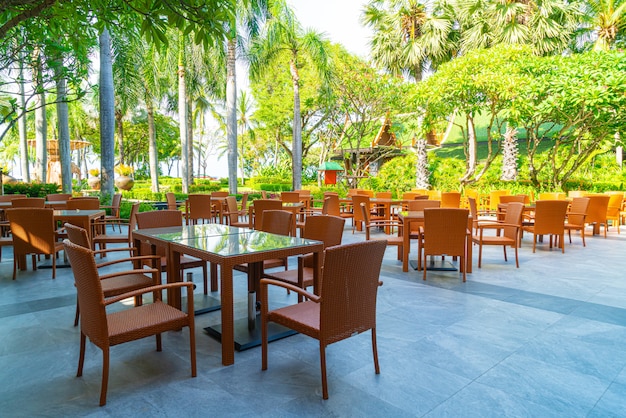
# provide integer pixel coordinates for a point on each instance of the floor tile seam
(606, 391)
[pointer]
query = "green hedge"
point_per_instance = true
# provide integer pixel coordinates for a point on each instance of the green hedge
(32, 189)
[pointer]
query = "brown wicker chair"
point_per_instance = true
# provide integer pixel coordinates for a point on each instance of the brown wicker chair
(232, 213)
(576, 217)
(346, 305)
(444, 233)
(165, 218)
(100, 238)
(119, 282)
(450, 199)
(329, 230)
(261, 205)
(114, 217)
(171, 201)
(419, 205)
(82, 204)
(34, 232)
(357, 221)
(396, 240)
(549, 219)
(243, 207)
(108, 329)
(58, 197)
(507, 232)
(596, 211)
(614, 207)
(200, 209)
(280, 222)
(29, 202)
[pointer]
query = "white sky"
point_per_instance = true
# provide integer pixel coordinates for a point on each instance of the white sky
(339, 19)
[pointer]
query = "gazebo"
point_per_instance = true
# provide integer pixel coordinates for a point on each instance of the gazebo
(54, 163)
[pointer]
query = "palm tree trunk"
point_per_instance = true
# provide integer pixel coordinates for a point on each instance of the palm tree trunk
(231, 115)
(182, 116)
(120, 135)
(65, 154)
(296, 157)
(41, 127)
(190, 139)
(107, 117)
(22, 126)
(152, 146)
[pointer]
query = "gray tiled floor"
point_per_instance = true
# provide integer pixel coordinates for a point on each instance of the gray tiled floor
(547, 339)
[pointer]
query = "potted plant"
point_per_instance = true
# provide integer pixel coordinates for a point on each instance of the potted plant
(94, 179)
(124, 180)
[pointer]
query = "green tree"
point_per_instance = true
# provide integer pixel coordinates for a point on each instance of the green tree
(481, 82)
(546, 25)
(283, 34)
(606, 19)
(364, 101)
(407, 37)
(577, 103)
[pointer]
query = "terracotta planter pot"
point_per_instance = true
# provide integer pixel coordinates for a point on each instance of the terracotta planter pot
(94, 183)
(124, 182)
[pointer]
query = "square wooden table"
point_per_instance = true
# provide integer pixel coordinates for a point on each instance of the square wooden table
(227, 247)
(78, 217)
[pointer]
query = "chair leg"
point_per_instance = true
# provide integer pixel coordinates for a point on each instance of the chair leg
(516, 258)
(464, 267)
(15, 256)
(105, 376)
(77, 315)
(375, 351)
(158, 342)
(323, 367)
(480, 254)
(582, 235)
(504, 248)
(81, 356)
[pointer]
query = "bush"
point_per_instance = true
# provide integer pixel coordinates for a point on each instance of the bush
(31, 189)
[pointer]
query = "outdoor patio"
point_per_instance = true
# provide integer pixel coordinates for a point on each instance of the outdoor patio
(546, 339)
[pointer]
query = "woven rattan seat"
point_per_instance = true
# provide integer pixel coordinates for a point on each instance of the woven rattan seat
(108, 329)
(346, 305)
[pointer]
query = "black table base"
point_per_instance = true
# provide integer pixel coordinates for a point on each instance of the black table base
(246, 338)
(436, 264)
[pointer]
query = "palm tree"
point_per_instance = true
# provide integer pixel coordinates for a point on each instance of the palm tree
(546, 25)
(607, 18)
(408, 36)
(107, 115)
(249, 14)
(283, 34)
(245, 125)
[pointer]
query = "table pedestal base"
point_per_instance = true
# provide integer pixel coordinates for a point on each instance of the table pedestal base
(203, 304)
(247, 338)
(435, 265)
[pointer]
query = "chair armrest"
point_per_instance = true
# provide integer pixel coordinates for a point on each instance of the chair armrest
(122, 273)
(298, 290)
(157, 288)
(495, 225)
(136, 258)
(112, 250)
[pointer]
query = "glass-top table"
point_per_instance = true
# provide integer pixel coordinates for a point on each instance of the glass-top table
(227, 246)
